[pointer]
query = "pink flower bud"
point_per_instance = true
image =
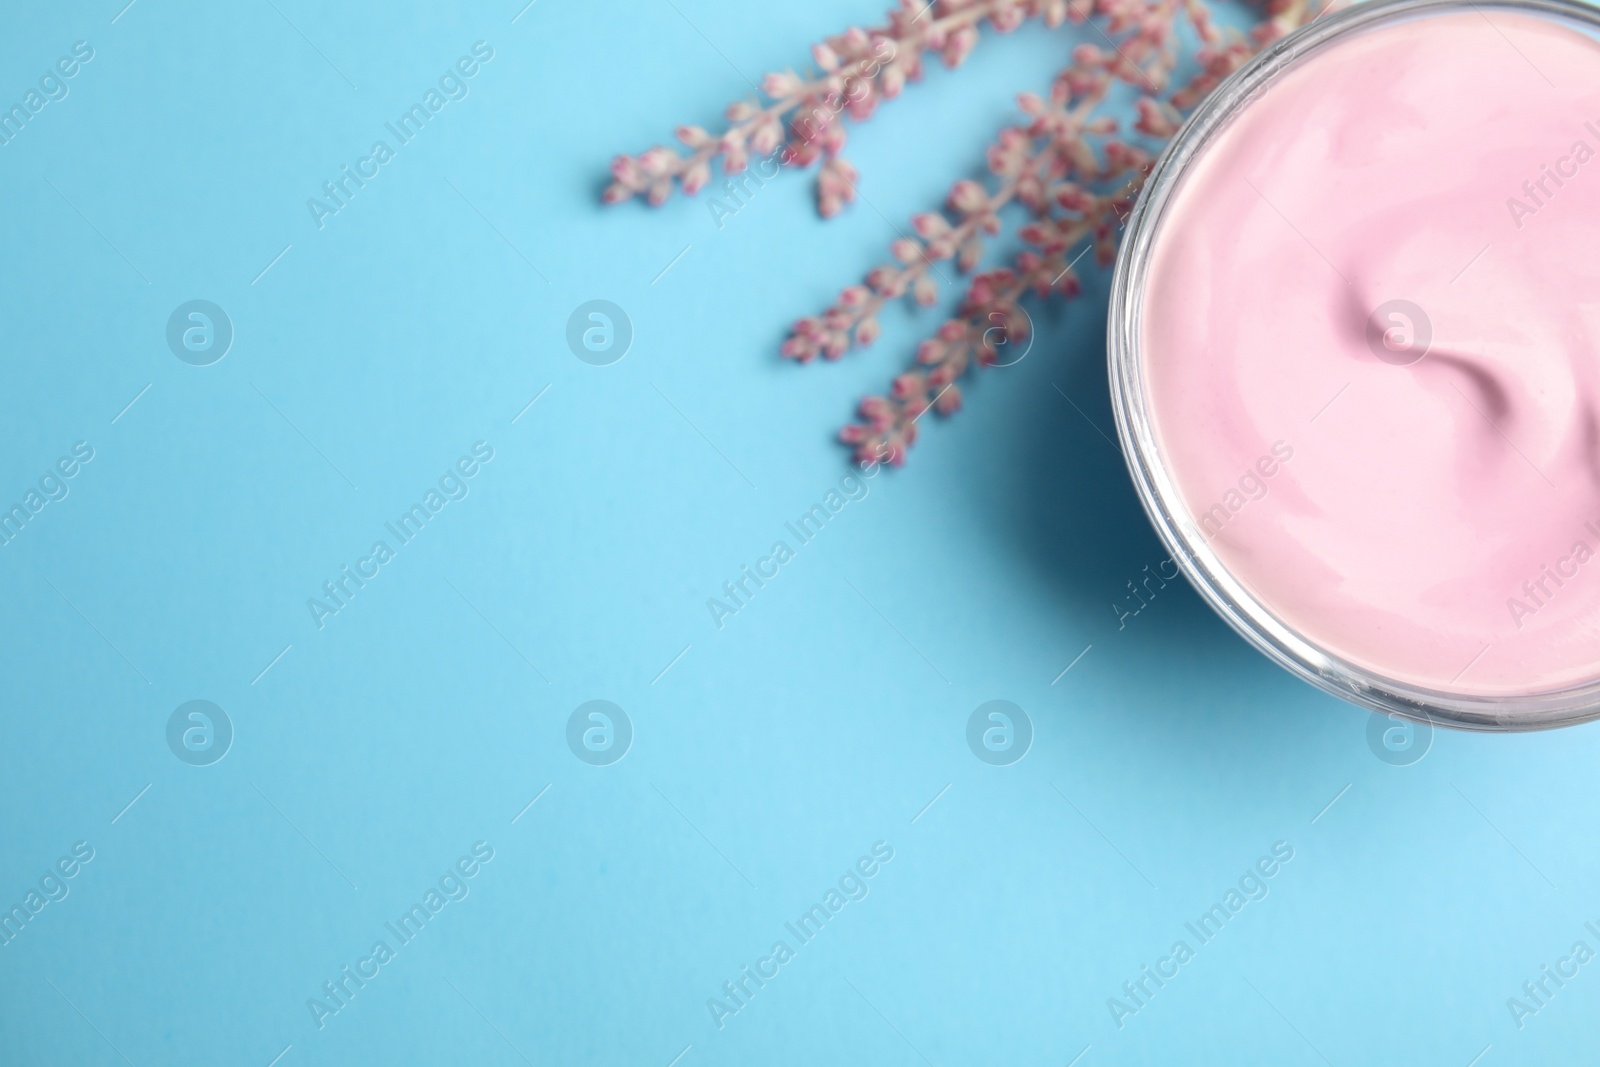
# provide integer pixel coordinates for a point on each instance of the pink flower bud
(695, 178)
(800, 154)
(1074, 198)
(779, 86)
(907, 385)
(882, 279)
(799, 349)
(766, 137)
(892, 81)
(1082, 82)
(971, 253)
(626, 171)
(655, 162)
(959, 46)
(967, 196)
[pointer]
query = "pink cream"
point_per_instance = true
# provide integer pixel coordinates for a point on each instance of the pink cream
(1436, 521)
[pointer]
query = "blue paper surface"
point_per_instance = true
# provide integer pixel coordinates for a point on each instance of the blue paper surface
(804, 772)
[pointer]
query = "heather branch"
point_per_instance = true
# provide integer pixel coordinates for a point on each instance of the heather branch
(1065, 167)
(801, 121)
(1052, 168)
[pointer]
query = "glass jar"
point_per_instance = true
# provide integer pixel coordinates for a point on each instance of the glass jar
(1215, 565)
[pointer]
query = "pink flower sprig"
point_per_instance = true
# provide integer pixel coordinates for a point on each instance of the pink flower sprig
(802, 120)
(988, 323)
(1031, 163)
(1064, 167)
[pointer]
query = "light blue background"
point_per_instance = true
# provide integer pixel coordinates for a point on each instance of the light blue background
(775, 751)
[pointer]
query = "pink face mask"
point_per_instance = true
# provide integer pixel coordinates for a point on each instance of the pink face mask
(1356, 354)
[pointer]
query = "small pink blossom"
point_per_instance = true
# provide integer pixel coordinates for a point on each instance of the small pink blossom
(906, 250)
(779, 86)
(967, 196)
(695, 178)
(930, 224)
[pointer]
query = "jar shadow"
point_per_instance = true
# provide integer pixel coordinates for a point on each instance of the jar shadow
(1072, 515)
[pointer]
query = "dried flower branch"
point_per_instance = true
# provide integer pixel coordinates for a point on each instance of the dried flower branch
(855, 71)
(1066, 168)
